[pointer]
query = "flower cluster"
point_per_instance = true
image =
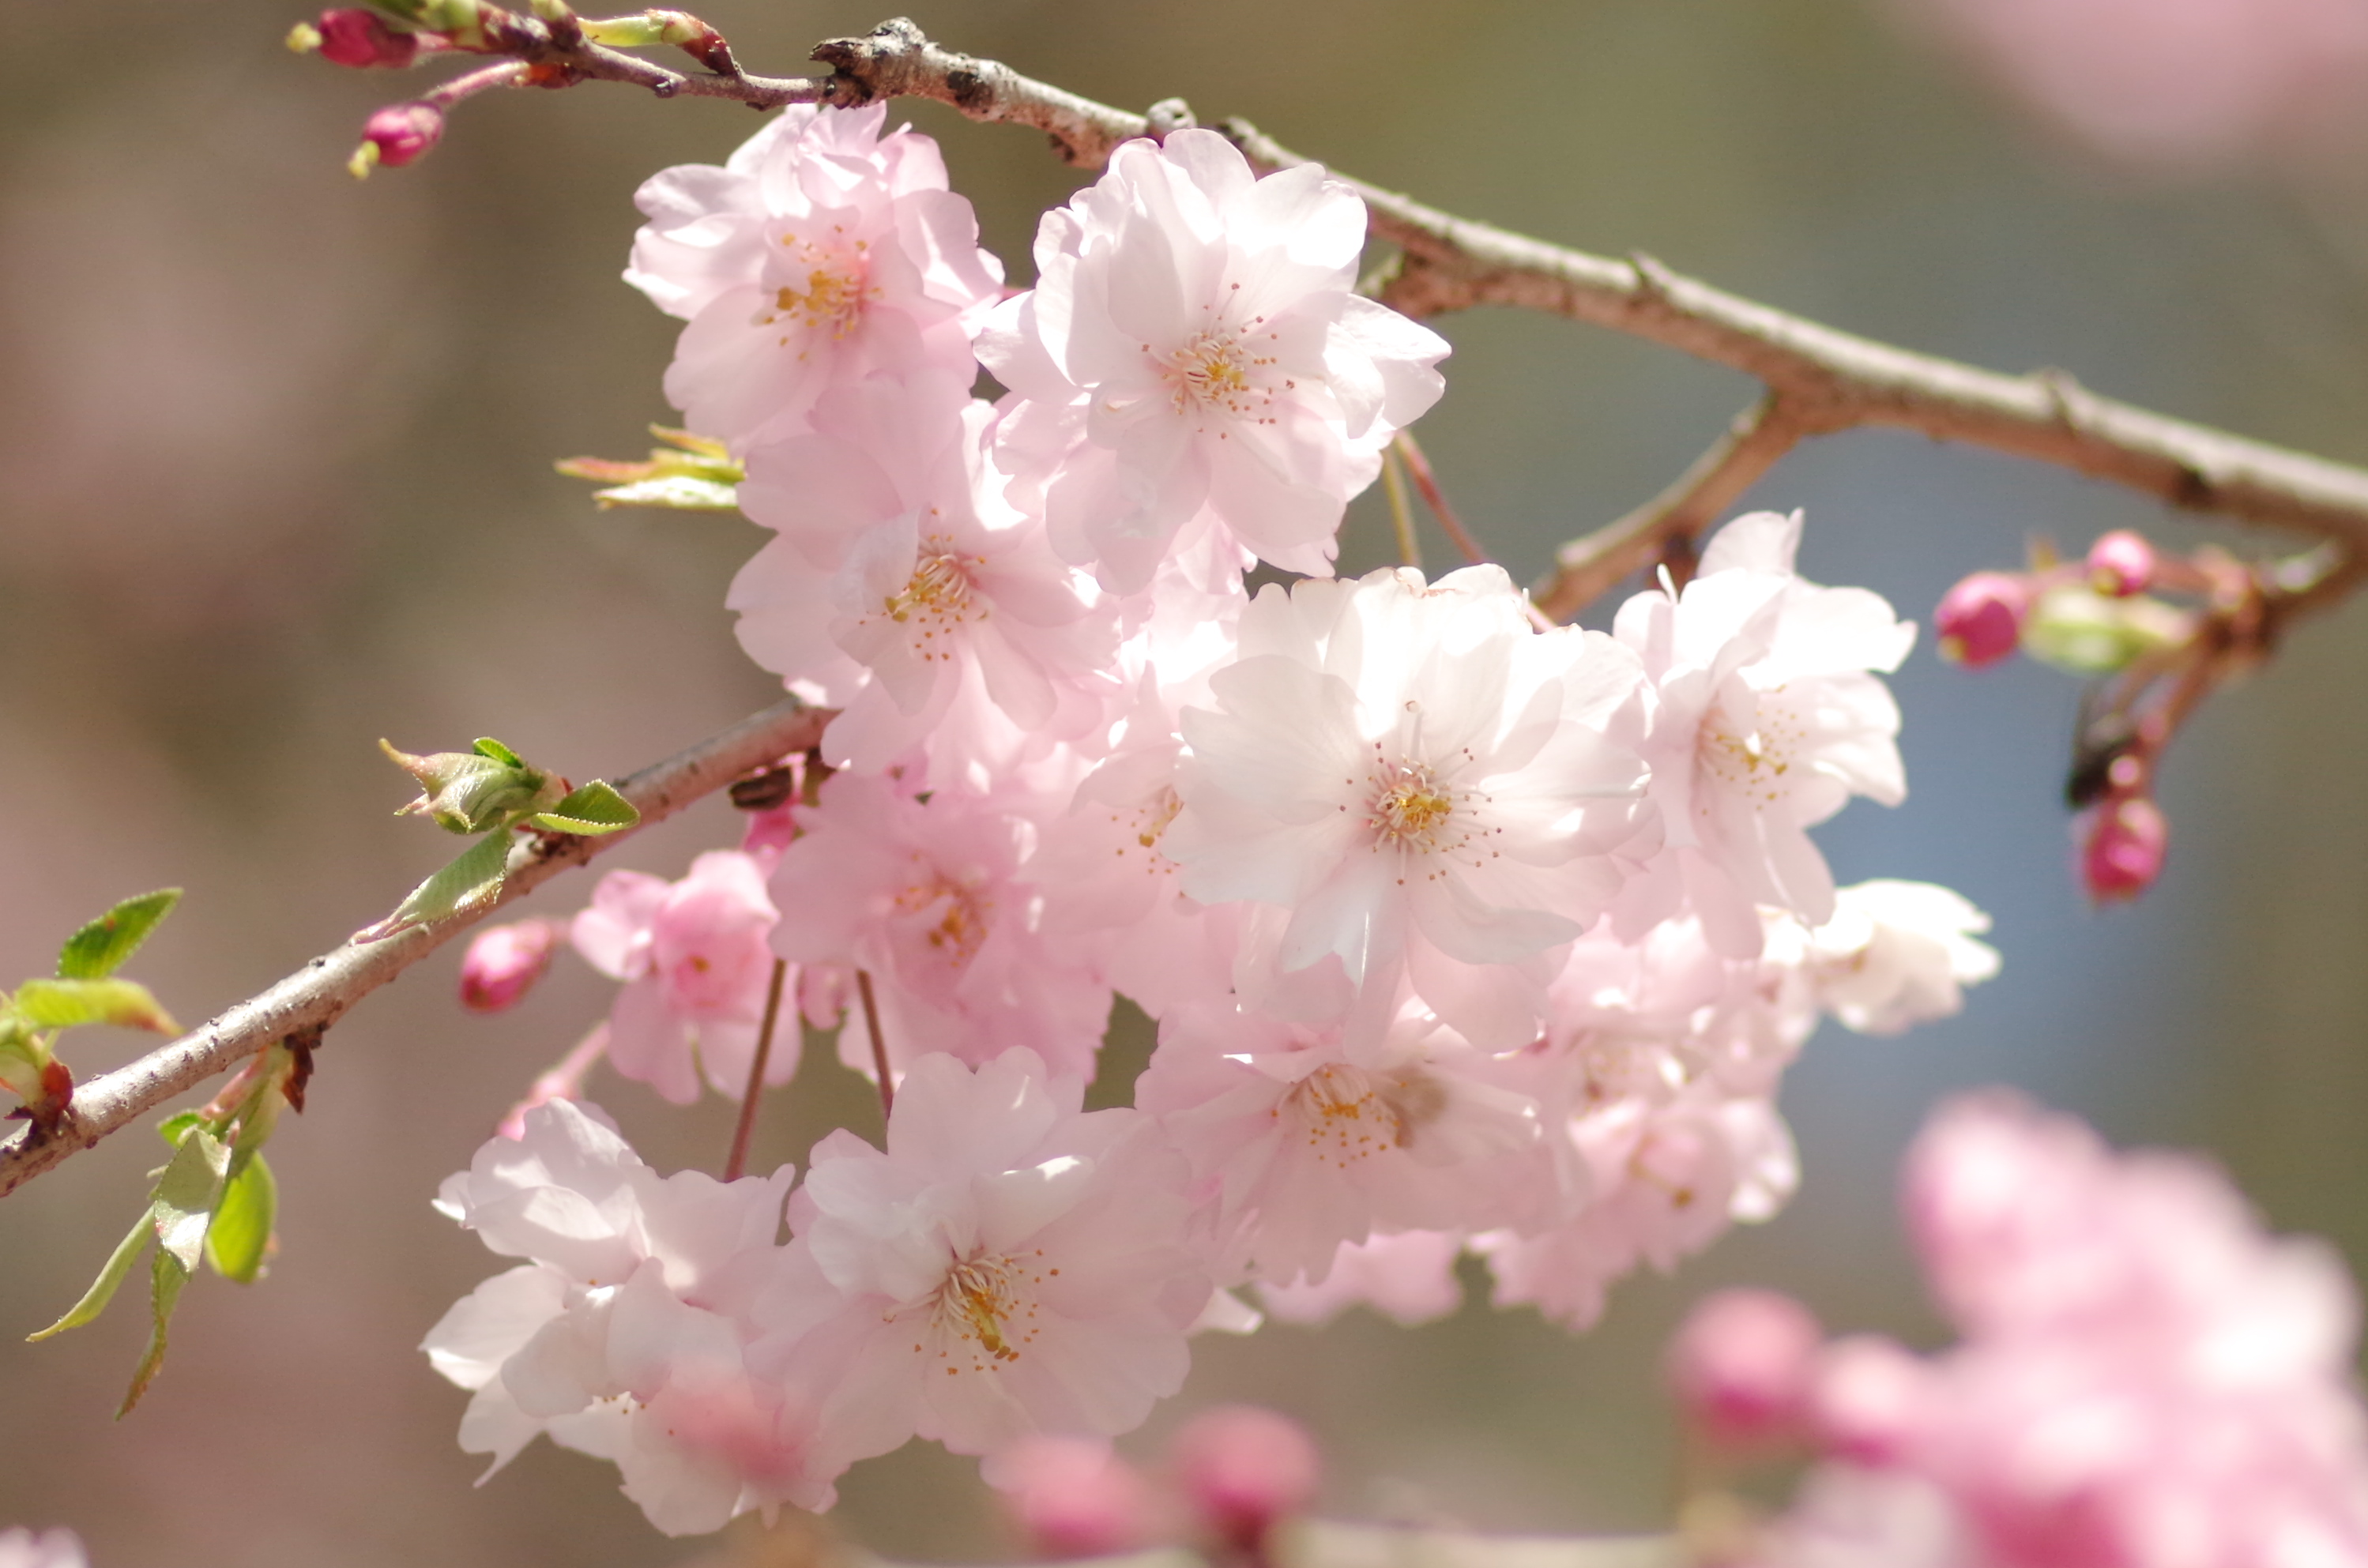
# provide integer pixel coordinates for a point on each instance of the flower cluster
(2146, 1378)
(1459, 933)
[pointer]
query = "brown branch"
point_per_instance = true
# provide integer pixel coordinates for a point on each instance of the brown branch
(320, 993)
(1588, 567)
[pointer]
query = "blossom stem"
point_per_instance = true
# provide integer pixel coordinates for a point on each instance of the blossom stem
(563, 1080)
(1425, 479)
(736, 1161)
(1401, 513)
(319, 993)
(879, 1043)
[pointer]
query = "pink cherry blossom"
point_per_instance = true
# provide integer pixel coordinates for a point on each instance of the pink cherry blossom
(941, 620)
(1074, 1497)
(1011, 1265)
(1192, 374)
(1421, 781)
(821, 253)
(1309, 1146)
(625, 1333)
(59, 1548)
(926, 898)
(503, 961)
(1740, 1365)
(1244, 1470)
(1765, 721)
(697, 968)
(1895, 954)
(1408, 1276)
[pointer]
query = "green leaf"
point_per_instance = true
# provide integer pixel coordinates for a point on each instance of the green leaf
(64, 1004)
(241, 1233)
(488, 746)
(187, 1194)
(172, 1128)
(102, 1289)
(595, 808)
(99, 949)
(166, 1280)
(672, 492)
(474, 878)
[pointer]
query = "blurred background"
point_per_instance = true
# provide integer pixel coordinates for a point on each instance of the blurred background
(275, 480)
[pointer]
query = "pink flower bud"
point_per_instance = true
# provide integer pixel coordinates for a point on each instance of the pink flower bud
(2121, 563)
(1740, 1365)
(2127, 838)
(401, 132)
(1867, 1398)
(504, 963)
(1980, 620)
(359, 38)
(1243, 1468)
(1073, 1497)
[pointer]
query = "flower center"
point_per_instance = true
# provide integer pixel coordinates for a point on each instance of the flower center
(1214, 371)
(1408, 807)
(1350, 1115)
(837, 286)
(961, 917)
(984, 1314)
(1751, 757)
(939, 588)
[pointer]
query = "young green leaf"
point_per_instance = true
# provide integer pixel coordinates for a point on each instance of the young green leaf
(99, 949)
(671, 492)
(488, 746)
(63, 1003)
(474, 879)
(173, 1126)
(187, 1194)
(241, 1233)
(594, 808)
(102, 1289)
(166, 1280)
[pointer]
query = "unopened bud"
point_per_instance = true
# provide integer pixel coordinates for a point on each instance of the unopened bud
(2121, 563)
(1980, 620)
(1073, 1497)
(2127, 838)
(359, 38)
(1243, 1469)
(471, 791)
(504, 963)
(1741, 1366)
(1867, 1397)
(396, 135)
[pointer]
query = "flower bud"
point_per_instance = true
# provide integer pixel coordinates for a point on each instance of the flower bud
(1243, 1468)
(1867, 1397)
(1073, 1497)
(504, 963)
(358, 38)
(2127, 838)
(1741, 1366)
(1980, 620)
(395, 135)
(470, 791)
(2121, 563)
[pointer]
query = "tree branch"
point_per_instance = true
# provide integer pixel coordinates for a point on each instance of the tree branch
(320, 993)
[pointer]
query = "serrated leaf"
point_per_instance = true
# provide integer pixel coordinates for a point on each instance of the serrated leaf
(171, 1129)
(241, 1233)
(595, 808)
(99, 949)
(672, 492)
(485, 745)
(187, 1194)
(102, 1289)
(67, 1004)
(474, 878)
(166, 1280)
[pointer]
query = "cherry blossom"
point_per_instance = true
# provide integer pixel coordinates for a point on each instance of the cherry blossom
(625, 1333)
(1896, 954)
(1422, 782)
(926, 898)
(696, 965)
(504, 963)
(1011, 1265)
(1309, 1147)
(1765, 721)
(1408, 1276)
(58, 1548)
(1192, 374)
(820, 252)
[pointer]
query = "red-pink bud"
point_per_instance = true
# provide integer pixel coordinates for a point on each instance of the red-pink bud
(1740, 1365)
(504, 963)
(1980, 620)
(400, 132)
(1074, 1497)
(1243, 1468)
(360, 38)
(1867, 1397)
(2127, 838)
(2121, 563)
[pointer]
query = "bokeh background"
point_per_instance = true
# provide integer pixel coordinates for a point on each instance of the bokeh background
(275, 480)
